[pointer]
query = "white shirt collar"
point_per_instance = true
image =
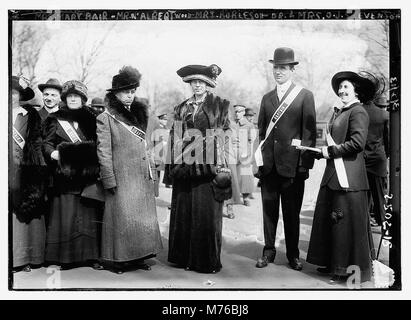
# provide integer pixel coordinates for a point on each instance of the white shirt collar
(51, 110)
(344, 106)
(283, 87)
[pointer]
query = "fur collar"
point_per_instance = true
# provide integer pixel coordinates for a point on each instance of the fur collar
(137, 116)
(85, 119)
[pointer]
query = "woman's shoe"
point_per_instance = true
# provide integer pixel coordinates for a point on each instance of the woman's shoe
(26, 268)
(97, 266)
(324, 270)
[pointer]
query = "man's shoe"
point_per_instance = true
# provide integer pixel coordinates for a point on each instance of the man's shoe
(295, 264)
(264, 261)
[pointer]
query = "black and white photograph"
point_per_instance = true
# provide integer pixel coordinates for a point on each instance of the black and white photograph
(186, 150)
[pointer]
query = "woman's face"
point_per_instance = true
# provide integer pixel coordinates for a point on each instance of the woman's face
(126, 97)
(74, 101)
(199, 87)
(346, 91)
(15, 98)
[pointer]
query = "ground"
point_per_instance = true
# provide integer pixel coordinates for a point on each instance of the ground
(242, 245)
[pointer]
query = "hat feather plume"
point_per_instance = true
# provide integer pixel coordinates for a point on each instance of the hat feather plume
(131, 73)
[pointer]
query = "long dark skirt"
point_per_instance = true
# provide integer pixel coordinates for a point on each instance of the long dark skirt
(340, 235)
(72, 235)
(195, 226)
(29, 241)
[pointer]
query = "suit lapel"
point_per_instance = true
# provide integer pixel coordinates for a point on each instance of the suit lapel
(274, 99)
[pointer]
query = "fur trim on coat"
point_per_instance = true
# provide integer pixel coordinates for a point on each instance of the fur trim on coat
(137, 116)
(33, 171)
(79, 161)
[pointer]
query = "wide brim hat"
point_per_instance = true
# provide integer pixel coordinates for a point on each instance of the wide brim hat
(25, 93)
(365, 86)
(208, 74)
(74, 86)
(283, 56)
(51, 83)
(127, 78)
(249, 112)
(97, 102)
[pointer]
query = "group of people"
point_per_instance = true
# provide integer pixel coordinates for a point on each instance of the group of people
(88, 175)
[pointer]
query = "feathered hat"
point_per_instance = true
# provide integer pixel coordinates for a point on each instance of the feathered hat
(127, 78)
(208, 74)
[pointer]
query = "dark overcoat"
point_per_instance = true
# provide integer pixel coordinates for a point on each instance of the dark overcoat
(298, 122)
(340, 235)
(195, 235)
(377, 145)
(130, 226)
(73, 221)
(27, 187)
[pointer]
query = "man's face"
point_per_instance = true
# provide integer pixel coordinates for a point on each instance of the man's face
(51, 97)
(126, 97)
(282, 73)
(239, 113)
(250, 118)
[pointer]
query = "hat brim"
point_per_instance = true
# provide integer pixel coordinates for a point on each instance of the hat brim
(125, 87)
(293, 63)
(212, 83)
(26, 94)
(366, 86)
(43, 86)
(98, 105)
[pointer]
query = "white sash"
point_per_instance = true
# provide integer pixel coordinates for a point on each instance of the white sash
(339, 165)
(18, 138)
(274, 119)
(71, 132)
(140, 134)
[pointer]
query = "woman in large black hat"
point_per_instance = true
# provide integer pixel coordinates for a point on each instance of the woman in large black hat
(130, 232)
(27, 182)
(70, 149)
(340, 235)
(197, 198)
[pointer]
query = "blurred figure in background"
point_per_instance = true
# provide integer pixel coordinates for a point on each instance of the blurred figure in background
(245, 133)
(97, 106)
(27, 182)
(376, 154)
(249, 115)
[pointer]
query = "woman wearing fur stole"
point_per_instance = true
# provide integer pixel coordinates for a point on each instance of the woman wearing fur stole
(130, 232)
(27, 182)
(70, 148)
(197, 199)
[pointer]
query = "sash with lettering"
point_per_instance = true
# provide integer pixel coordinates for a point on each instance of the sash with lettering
(338, 163)
(94, 191)
(140, 134)
(18, 138)
(274, 119)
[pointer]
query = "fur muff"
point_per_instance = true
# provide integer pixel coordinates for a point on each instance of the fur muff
(137, 116)
(33, 171)
(78, 161)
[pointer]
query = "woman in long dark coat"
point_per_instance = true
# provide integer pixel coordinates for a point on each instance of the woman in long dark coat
(27, 182)
(340, 235)
(130, 232)
(70, 149)
(196, 216)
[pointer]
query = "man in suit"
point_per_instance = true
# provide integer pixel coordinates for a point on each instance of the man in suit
(284, 168)
(51, 91)
(376, 154)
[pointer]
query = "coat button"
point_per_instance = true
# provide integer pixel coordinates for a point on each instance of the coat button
(144, 158)
(275, 141)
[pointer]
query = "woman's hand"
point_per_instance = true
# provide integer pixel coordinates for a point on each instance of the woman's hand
(55, 155)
